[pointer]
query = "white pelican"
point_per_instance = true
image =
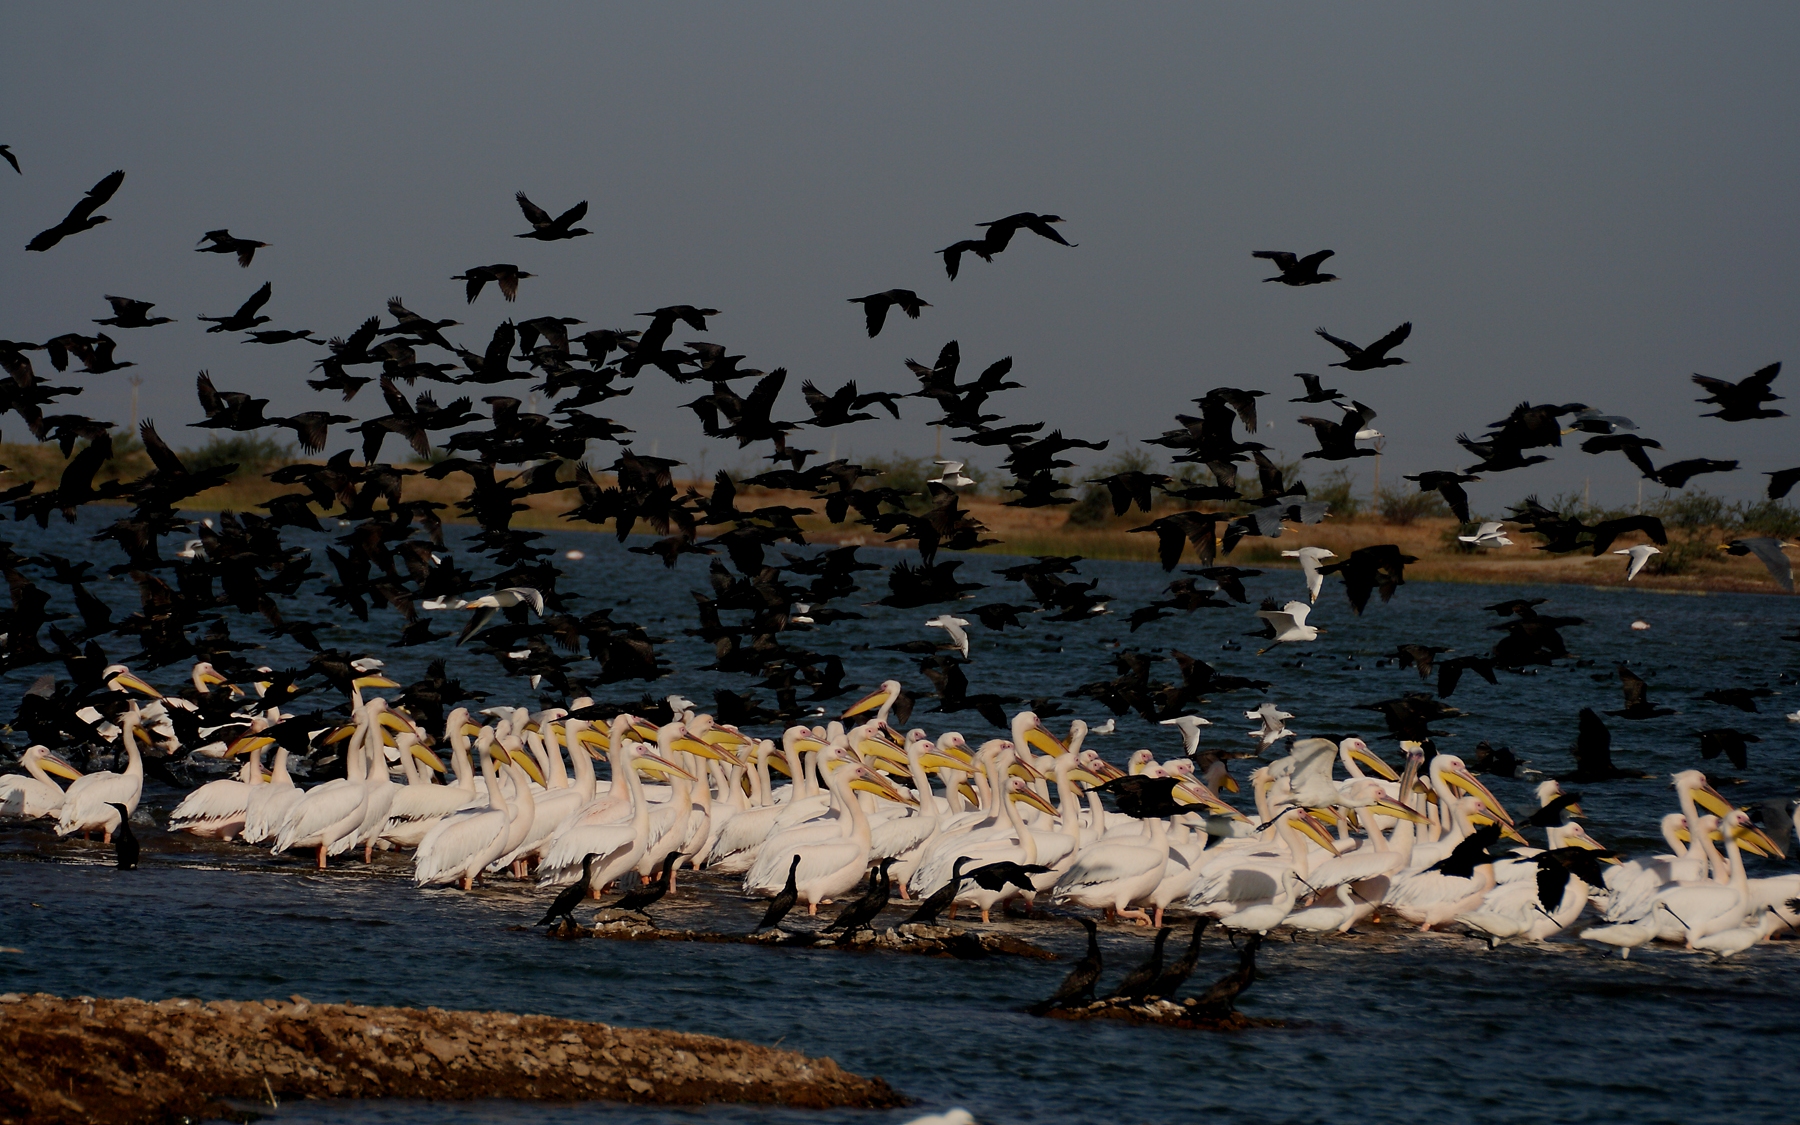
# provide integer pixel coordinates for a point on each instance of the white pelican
(1320, 918)
(1115, 874)
(419, 803)
(827, 868)
(267, 805)
(327, 816)
(617, 846)
(882, 699)
(460, 846)
(741, 838)
(33, 794)
(87, 802)
(217, 809)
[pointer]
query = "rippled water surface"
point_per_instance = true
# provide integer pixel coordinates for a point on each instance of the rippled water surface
(1390, 1024)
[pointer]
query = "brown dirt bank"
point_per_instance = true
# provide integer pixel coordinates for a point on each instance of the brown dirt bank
(925, 941)
(127, 1061)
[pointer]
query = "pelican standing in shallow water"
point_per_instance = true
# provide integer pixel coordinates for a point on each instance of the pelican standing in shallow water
(33, 794)
(88, 802)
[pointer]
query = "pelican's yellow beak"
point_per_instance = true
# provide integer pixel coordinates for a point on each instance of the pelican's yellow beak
(1035, 799)
(725, 737)
(1753, 839)
(1086, 778)
(1712, 801)
(374, 682)
(1229, 784)
(127, 680)
(700, 749)
(527, 763)
(1459, 777)
(1368, 759)
(642, 730)
(594, 737)
(1024, 769)
(883, 788)
(424, 754)
(397, 722)
(212, 677)
(1041, 738)
(867, 703)
(660, 767)
(806, 742)
(881, 751)
(779, 765)
(339, 735)
(469, 729)
(1194, 793)
(247, 744)
(967, 791)
(56, 765)
(1308, 825)
(1507, 831)
(1387, 806)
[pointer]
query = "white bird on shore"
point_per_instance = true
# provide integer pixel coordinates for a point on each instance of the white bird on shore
(1640, 555)
(1490, 534)
(957, 627)
(951, 475)
(1290, 625)
(1310, 558)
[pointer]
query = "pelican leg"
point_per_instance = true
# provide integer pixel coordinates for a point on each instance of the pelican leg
(1157, 924)
(321, 857)
(1139, 917)
(984, 915)
(812, 909)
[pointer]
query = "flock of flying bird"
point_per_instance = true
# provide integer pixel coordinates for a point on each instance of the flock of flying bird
(1014, 821)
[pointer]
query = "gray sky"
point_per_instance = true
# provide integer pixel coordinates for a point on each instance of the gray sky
(1569, 202)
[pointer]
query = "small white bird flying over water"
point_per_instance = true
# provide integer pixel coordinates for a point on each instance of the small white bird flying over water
(956, 627)
(951, 475)
(1189, 725)
(486, 607)
(1490, 534)
(1290, 625)
(1310, 558)
(1640, 555)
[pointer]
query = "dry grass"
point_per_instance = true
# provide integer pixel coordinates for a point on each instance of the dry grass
(1047, 531)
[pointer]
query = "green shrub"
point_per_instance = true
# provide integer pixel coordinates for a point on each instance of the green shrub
(249, 452)
(1404, 505)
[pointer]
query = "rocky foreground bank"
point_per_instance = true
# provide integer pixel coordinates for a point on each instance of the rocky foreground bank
(127, 1061)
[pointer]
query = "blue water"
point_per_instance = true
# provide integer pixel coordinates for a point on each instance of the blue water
(1392, 1023)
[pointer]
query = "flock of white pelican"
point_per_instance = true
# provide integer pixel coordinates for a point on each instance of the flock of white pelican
(520, 798)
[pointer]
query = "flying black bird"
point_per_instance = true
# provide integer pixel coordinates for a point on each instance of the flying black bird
(1140, 980)
(128, 313)
(125, 843)
(1471, 853)
(1381, 567)
(1000, 231)
(1337, 438)
(1373, 356)
(1593, 752)
(1449, 486)
(1556, 865)
(1297, 271)
(1678, 474)
(6, 151)
(1637, 698)
(223, 243)
(953, 253)
(1417, 656)
(570, 896)
(504, 274)
(1742, 401)
(1079, 984)
(1501, 762)
(1743, 698)
(639, 899)
(546, 229)
(1729, 742)
(245, 318)
(1767, 551)
(80, 217)
(1781, 481)
(1315, 392)
(1450, 672)
(876, 305)
(784, 900)
(1552, 814)
(1130, 487)
(1631, 445)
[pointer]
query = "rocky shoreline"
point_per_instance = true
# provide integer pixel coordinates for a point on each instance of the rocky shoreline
(927, 941)
(126, 1061)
